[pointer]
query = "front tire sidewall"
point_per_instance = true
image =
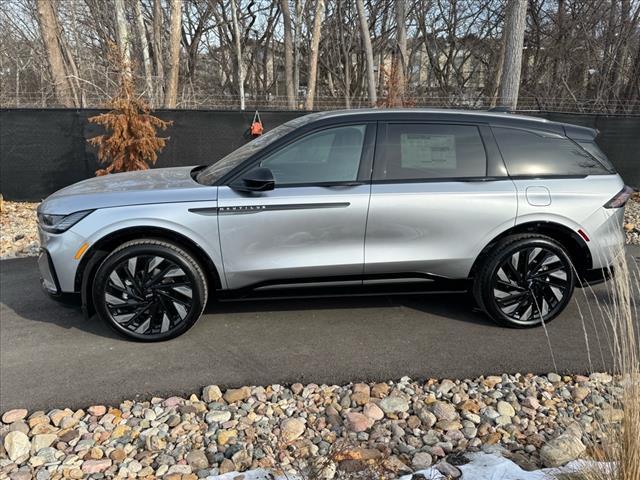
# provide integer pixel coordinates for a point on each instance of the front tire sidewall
(502, 252)
(172, 253)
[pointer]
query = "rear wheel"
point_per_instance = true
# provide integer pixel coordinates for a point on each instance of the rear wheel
(150, 290)
(526, 280)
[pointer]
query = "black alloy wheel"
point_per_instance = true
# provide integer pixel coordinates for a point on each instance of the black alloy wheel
(527, 281)
(150, 290)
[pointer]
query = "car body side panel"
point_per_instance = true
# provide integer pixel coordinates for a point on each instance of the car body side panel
(437, 228)
(292, 233)
(577, 203)
(201, 228)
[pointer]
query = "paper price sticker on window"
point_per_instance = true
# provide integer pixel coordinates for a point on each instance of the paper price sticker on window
(427, 150)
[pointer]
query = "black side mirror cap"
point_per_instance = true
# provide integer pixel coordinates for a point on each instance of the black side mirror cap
(257, 180)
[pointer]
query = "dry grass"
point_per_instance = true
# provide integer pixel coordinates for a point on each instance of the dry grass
(619, 451)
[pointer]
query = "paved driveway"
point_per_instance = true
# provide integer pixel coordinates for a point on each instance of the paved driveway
(50, 356)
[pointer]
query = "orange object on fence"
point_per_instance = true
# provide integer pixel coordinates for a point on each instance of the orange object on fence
(256, 126)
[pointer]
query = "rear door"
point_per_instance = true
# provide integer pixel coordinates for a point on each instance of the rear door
(311, 227)
(439, 194)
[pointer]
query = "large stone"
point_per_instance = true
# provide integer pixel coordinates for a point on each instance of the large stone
(563, 449)
(17, 445)
(505, 409)
(358, 422)
(580, 393)
(224, 436)
(97, 410)
(96, 466)
(39, 442)
(14, 415)
(380, 390)
(211, 393)
(394, 405)
(197, 459)
(427, 418)
(554, 377)
(291, 429)
(445, 386)
(218, 416)
(372, 411)
(421, 460)
(444, 411)
(237, 394)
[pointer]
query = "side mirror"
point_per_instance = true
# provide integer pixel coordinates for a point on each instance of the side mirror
(257, 180)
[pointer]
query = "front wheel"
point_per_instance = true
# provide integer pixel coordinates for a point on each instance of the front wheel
(150, 290)
(525, 281)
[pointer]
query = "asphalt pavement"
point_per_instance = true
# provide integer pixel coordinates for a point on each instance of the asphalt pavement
(50, 356)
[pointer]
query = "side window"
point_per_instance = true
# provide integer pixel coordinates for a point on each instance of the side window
(331, 155)
(426, 151)
(531, 154)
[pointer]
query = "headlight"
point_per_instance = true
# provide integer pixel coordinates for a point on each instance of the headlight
(60, 223)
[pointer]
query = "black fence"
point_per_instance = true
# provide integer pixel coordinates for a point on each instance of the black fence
(42, 151)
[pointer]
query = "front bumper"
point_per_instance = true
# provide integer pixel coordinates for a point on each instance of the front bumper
(48, 277)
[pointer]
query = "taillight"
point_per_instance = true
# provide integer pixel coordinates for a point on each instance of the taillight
(620, 198)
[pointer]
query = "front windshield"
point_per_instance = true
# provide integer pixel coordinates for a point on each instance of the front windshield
(214, 172)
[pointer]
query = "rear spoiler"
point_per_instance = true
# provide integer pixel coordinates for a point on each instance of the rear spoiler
(583, 134)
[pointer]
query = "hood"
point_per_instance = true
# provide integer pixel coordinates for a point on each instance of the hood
(159, 185)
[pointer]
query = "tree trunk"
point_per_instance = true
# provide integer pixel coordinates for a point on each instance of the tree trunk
(296, 47)
(402, 59)
(122, 37)
(175, 37)
(515, 23)
(238, 45)
(368, 51)
(50, 32)
(288, 54)
(313, 57)
(144, 42)
(158, 51)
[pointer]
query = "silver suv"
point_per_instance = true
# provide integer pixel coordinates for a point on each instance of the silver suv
(515, 209)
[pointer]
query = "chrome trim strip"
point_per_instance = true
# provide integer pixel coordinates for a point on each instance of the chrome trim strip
(246, 209)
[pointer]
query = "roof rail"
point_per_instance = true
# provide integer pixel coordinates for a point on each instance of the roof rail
(500, 109)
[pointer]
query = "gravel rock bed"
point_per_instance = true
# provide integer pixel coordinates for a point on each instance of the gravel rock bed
(18, 230)
(319, 431)
(19, 236)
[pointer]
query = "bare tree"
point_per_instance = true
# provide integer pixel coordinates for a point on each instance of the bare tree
(366, 43)
(158, 20)
(50, 31)
(238, 48)
(288, 54)
(514, 27)
(171, 93)
(122, 36)
(144, 45)
(401, 58)
(313, 56)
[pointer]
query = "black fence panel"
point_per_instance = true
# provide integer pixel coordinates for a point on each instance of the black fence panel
(42, 151)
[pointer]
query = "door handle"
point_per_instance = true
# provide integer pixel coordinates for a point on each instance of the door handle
(344, 184)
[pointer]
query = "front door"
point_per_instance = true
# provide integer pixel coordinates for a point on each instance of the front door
(434, 202)
(311, 227)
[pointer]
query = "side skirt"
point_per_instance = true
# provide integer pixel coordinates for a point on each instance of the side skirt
(409, 284)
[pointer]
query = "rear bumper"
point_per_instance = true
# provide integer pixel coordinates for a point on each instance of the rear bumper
(595, 276)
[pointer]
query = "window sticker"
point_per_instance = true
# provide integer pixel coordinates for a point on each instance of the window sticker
(421, 150)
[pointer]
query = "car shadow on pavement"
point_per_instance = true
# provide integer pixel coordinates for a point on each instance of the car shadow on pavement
(452, 306)
(22, 299)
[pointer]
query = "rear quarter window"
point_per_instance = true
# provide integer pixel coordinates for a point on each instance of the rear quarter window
(528, 153)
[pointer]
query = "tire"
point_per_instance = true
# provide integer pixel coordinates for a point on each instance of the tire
(150, 290)
(525, 281)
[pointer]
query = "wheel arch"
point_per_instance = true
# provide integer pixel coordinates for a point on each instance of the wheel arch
(576, 246)
(93, 257)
